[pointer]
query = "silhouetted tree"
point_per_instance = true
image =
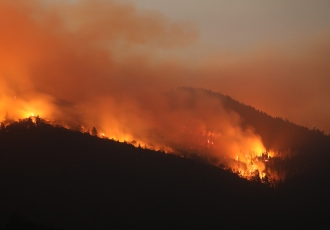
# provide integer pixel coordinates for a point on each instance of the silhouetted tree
(94, 131)
(255, 177)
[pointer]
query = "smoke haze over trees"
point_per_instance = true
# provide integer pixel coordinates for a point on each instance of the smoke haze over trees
(108, 58)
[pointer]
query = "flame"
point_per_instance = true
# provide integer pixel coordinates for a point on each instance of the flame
(246, 156)
(81, 67)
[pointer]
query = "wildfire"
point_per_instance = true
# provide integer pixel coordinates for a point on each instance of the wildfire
(248, 161)
(80, 68)
(33, 118)
(241, 151)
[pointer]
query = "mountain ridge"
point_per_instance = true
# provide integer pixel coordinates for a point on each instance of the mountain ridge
(67, 179)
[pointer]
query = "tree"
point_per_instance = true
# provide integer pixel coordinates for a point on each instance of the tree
(255, 177)
(94, 131)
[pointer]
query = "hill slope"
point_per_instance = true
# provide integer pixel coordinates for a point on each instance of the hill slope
(72, 180)
(301, 150)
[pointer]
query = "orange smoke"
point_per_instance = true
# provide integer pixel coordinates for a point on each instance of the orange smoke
(81, 53)
(288, 79)
(100, 64)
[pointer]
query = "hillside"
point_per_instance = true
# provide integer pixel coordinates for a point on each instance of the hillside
(68, 180)
(299, 150)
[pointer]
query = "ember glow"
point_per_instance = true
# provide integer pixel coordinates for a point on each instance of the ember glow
(100, 64)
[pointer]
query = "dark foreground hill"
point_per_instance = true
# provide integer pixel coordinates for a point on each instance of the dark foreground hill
(54, 177)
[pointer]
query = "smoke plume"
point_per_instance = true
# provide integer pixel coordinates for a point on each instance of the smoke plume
(110, 66)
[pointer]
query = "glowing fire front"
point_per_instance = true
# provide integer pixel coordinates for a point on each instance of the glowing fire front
(105, 74)
(241, 151)
(247, 157)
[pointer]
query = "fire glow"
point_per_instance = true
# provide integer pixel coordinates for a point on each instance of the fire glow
(245, 156)
(61, 62)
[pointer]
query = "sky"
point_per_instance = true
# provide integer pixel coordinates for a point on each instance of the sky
(113, 60)
(240, 25)
(288, 40)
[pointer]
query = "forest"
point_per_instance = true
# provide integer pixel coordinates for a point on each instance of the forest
(58, 178)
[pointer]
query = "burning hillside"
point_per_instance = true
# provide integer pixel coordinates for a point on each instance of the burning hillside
(241, 151)
(110, 66)
(212, 127)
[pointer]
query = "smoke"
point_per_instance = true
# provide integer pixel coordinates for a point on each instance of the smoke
(289, 79)
(85, 51)
(102, 64)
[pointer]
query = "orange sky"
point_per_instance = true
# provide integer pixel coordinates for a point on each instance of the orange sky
(272, 55)
(101, 54)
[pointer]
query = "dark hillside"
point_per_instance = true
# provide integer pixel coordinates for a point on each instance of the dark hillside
(304, 150)
(55, 177)
(276, 133)
(70, 180)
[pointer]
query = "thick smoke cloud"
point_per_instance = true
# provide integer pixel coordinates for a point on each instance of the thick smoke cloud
(97, 63)
(85, 51)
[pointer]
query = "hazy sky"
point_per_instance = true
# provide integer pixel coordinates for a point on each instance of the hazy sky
(237, 25)
(273, 55)
(289, 40)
